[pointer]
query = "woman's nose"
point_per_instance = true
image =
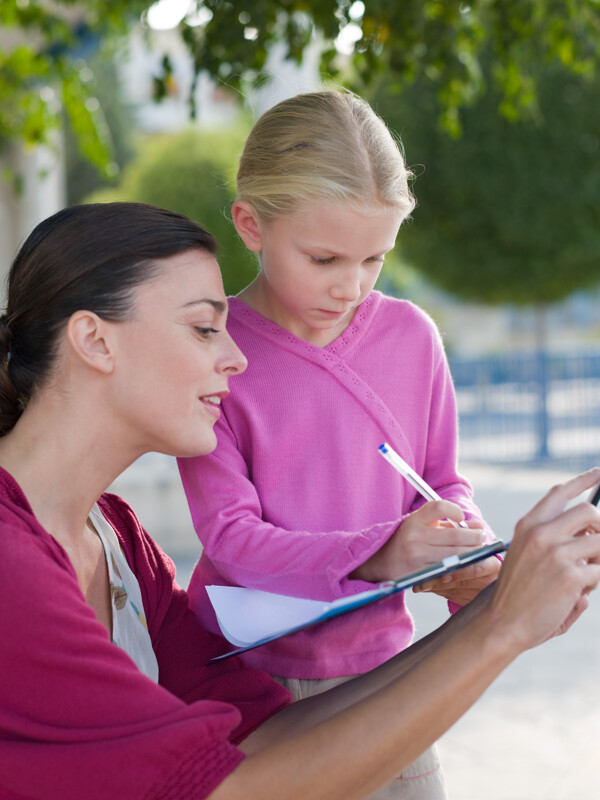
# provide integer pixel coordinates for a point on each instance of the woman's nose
(234, 361)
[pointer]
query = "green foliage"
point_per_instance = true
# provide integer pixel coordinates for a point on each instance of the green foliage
(443, 40)
(508, 212)
(43, 71)
(193, 173)
(103, 84)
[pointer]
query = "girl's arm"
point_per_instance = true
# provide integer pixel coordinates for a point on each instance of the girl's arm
(248, 551)
(355, 738)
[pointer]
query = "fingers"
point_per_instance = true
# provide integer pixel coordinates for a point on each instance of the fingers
(464, 584)
(550, 567)
(436, 510)
(428, 524)
(559, 495)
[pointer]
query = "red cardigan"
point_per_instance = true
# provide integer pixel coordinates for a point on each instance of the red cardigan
(78, 721)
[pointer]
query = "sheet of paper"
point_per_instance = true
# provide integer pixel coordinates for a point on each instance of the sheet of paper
(246, 616)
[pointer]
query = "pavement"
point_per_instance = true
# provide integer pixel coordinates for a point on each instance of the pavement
(535, 734)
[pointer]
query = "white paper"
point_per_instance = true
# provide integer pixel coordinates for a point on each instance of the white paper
(246, 616)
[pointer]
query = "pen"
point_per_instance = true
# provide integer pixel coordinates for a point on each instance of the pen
(415, 480)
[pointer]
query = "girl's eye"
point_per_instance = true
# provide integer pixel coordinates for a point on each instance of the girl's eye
(376, 260)
(206, 333)
(322, 261)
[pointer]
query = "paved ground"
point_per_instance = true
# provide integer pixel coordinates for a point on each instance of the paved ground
(535, 734)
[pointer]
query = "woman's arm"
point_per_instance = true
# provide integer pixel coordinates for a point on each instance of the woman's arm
(346, 743)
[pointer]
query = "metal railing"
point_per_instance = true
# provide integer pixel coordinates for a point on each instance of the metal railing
(536, 407)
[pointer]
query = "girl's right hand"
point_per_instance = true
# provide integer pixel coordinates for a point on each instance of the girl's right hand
(425, 537)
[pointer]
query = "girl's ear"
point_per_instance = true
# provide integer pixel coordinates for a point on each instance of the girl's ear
(247, 225)
(89, 337)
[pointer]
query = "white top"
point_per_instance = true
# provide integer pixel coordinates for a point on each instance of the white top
(129, 626)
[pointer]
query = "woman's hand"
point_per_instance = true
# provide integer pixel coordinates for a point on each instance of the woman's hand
(425, 537)
(551, 566)
(464, 584)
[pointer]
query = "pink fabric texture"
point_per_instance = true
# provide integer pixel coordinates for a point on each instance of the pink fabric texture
(296, 496)
(77, 718)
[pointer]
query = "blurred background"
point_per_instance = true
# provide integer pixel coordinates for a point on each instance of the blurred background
(497, 106)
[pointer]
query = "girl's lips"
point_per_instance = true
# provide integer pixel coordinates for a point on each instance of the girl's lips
(332, 314)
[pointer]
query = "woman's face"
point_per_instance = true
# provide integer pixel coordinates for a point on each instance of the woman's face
(174, 357)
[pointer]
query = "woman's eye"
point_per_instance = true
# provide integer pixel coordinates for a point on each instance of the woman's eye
(376, 260)
(206, 333)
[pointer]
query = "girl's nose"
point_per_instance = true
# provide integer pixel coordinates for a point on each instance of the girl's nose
(347, 287)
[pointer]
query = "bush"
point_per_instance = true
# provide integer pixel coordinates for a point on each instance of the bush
(193, 173)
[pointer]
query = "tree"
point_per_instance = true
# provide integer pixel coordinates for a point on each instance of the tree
(43, 44)
(508, 212)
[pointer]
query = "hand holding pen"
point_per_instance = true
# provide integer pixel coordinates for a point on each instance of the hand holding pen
(415, 480)
(458, 587)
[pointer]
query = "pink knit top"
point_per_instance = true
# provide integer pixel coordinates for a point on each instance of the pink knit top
(296, 496)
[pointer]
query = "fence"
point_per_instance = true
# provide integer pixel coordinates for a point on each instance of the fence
(537, 407)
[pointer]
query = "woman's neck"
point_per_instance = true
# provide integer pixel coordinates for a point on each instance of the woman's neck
(63, 460)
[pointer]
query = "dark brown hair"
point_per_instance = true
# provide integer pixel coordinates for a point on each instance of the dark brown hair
(84, 257)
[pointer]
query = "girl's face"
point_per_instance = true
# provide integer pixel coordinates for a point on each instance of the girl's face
(173, 358)
(319, 265)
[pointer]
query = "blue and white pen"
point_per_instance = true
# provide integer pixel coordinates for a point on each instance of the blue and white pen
(415, 480)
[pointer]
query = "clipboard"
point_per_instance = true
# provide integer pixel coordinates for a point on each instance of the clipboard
(271, 616)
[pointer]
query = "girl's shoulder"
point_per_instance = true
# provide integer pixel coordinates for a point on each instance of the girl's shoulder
(401, 311)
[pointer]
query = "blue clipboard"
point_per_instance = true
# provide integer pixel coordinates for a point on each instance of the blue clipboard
(385, 589)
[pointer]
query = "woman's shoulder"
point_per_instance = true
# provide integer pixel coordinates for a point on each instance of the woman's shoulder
(142, 552)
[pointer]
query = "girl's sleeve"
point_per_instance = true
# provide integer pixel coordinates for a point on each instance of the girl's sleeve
(77, 718)
(247, 551)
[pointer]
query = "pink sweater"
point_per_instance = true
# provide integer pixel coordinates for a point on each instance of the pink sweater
(78, 721)
(296, 496)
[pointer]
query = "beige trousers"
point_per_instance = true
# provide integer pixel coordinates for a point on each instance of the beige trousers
(421, 780)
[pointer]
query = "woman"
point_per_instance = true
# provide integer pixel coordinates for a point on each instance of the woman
(114, 344)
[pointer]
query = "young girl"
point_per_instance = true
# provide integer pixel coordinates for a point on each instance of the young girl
(296, 498)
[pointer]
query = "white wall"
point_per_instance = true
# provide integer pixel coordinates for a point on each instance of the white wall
(39, 174)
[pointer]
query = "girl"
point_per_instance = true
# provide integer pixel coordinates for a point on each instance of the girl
(113, 344)
(296, 499)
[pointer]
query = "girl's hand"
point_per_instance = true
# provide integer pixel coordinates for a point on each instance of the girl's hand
(464, 584)
(425, 537)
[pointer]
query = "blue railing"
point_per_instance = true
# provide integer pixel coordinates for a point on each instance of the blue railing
(529, 408)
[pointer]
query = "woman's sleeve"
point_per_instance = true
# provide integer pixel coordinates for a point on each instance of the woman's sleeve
(77, 718)
(248, 551)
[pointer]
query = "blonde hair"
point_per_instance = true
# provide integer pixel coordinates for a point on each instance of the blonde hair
(322, 145)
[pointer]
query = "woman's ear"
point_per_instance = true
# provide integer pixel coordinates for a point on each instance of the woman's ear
(247, 225)
(89, 337)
